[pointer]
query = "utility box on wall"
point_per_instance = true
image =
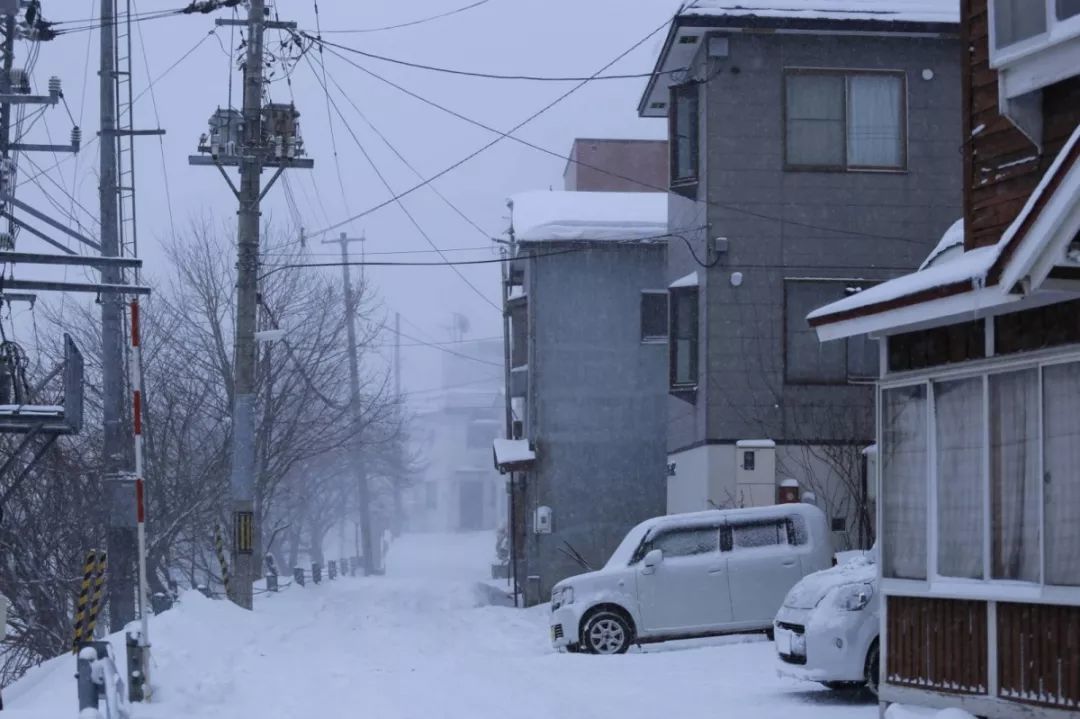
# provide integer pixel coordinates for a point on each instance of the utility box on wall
(755, 472)
(542, 520)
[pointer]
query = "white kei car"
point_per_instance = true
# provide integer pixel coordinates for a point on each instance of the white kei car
(691, 575)
(827, 629)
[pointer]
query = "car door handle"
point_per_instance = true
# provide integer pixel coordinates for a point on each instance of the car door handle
(716, 570)
(789, 563)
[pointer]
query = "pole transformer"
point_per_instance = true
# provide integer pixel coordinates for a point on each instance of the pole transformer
(258, 137)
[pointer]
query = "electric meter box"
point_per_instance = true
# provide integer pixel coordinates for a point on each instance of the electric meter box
(542, 520)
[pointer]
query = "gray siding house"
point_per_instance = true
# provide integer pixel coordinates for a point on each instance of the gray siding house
(814, 152)
(588, 316)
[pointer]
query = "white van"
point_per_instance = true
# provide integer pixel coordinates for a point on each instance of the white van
(691, 575)
(827, 630)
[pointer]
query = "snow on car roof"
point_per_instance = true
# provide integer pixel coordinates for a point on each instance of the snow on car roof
(887, 10)
(552, 216)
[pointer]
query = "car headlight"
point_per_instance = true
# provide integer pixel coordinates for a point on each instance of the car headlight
(853, 597)
(561, 596)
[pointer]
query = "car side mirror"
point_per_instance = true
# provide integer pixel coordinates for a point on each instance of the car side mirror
(654, 557)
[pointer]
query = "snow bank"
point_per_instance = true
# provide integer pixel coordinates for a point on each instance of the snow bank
(579, 216)
(888, 10)
(901, 711)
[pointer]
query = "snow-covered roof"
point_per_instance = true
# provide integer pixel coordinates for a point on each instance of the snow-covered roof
(950, 282)
(512, 455)
(553, 216)
(755, 444)
(950, 245)
(690, 280)
(943, 11)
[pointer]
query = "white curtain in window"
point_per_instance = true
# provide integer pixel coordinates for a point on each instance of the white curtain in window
(1061, 472)
(1014, 475)
(903, 481)
(874, 137)
(959, 430)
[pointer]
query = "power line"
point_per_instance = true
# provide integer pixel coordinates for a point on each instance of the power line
(390, 189)
(581, 163)
(486, 75)
(394, 150)
(496, 141)
(411, 23)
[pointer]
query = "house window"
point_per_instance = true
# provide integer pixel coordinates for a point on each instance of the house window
(519, 334)
(1001, 443)
(480, 435)
(1016, 20)
(1015, 485)
(684, 135)
(807, 360)
(959, 431)
(845, 121)
(683, 345)
(1061, 473)
(903, 481)
(748, 462)
(654, 316)
(1067, 8)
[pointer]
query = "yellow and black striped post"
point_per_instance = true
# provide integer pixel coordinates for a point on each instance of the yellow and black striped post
(99, 590)
(84, 599)
(219, 546)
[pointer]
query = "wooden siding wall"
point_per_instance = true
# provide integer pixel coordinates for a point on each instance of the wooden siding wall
(1001, 165)
(1039, 654)
(938, 644)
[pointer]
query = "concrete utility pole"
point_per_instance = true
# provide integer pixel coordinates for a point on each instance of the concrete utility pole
(268, 137)
(120, 536)
(367, 545)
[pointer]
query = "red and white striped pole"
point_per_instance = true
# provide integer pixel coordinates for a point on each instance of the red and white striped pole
(135, 373)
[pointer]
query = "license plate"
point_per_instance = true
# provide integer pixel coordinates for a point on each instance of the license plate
(784, 641)
(552, 633)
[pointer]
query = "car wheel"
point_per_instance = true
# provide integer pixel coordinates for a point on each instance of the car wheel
(873, 668)
(842, 686)
(607, 633)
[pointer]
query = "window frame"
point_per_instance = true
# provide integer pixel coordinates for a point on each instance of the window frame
(847, 73)
(673, 339)
(661, 338)
(686, 185)
(986, 588)
(1057, 31)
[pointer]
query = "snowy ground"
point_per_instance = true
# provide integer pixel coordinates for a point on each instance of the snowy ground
(416, 644)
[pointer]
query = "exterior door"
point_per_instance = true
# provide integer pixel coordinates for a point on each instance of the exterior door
(687, 592)
(762, 566)
(472, 505)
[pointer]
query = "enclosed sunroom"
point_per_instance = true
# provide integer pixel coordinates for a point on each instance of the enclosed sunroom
(978, 422)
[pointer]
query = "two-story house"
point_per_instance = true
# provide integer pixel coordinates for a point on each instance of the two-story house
(817, 144)
(587, 305)
(979, 399)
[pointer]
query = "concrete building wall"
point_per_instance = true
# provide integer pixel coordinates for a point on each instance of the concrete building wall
(596, 403)
(611, 165)
(779, 226)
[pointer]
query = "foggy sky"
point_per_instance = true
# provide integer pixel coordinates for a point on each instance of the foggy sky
(543, 37)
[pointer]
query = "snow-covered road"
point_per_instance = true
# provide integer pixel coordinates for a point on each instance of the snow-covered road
(416, 644)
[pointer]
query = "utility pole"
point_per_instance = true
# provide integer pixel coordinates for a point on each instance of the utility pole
(120, 534)
(367, 545)
(399, 510)
(262, 136)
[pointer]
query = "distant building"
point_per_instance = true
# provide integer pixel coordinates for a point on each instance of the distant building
(617, 166)
(588, 316)
(453, 429)
(814, 153)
